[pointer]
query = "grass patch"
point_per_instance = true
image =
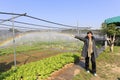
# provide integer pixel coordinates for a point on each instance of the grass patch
(106, 62)
(41, 46)
(83, 75)
(109, 57)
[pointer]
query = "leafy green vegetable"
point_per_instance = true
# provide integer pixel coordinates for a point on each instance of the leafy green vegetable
(40, 69)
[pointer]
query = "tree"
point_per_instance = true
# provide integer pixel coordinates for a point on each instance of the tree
(112, 32)
(11, 30)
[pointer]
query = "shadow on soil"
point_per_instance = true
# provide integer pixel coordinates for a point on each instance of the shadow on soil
(79, 62)
(6, 66)
(118, 78)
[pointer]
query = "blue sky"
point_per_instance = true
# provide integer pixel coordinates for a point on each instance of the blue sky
(87, 12)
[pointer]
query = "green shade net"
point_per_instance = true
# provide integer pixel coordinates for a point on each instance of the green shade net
(113, 20)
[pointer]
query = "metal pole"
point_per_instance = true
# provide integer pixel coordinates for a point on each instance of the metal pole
(78, 33)
(12, 18)
(77, 28)
(105, 38)
(50, 42)
(14, 46)
(105, 41)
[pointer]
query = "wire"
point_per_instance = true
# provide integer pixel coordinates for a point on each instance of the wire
(49, 21)
(12, 13)
(31, 24)
(19, 26)
(38, 19)
(26, 27)
(42, 20)
(12, 18)
(23, 29)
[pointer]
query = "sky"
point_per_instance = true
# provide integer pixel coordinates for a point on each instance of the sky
(87, 13)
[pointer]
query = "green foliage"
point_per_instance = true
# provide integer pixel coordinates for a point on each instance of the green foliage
(19, 49)
(41, 46)
(40, 69)
(104, 28)
(109, 29)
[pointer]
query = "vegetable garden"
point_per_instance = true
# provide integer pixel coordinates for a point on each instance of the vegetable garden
(62, 52)
(40, 69)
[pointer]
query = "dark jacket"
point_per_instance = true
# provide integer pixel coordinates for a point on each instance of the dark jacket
(86, 44)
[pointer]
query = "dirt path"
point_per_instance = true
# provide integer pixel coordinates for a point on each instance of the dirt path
(66, 73)
(71, 70)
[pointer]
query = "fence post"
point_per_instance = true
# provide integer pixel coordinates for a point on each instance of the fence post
(14, 46)
(105, 41)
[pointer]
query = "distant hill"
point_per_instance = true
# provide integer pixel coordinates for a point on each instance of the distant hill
(79, 31)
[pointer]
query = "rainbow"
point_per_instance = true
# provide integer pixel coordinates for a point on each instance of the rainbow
(5, 42)
(37, 37)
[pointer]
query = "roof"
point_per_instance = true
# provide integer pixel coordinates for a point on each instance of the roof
(112, 20)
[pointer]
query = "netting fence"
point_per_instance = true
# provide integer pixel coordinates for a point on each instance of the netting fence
(21, 33)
